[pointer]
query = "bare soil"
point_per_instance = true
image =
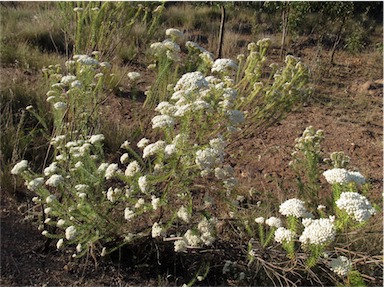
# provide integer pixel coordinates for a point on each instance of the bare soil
(346, 103)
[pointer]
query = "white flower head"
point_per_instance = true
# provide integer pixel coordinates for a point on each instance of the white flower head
(125, 145)
(96, 138)
(143, 143)
(60, 223)
(113, 193)
(264, 42)
(143, 183)
(284, 235)
(51, 99)
(60, 106)
(343, 176)
(192, 239)
(223, 66)
(157, 230)
(162, 121)
(132, 168)
(66, 80)
(260, 220)
(273, 222)
(87, 60)
(174, 33)
(356, 205)
(171, 46)
(180, 245)
(318, 231)
(50, 198)
(54, 180)
(170, 149)
(124, 158)
(191, 82)
(111, 170)
(341, 266)
(183, 214)
(293, 207)
(155, 202)
(60, 243)
(19, 167)
(139, 203)
(76, 84)
(70, 232)
(128, 213)
(35, 183)
(102, 167)
(134, 76)
(154, 148)
(165, 108)
(51, 169)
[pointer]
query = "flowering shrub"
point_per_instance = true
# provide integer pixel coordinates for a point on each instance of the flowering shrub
(180, 188)
(263, 101)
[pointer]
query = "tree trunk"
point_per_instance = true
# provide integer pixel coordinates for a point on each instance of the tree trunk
(285, 18)
(337, 41)
(221, 34)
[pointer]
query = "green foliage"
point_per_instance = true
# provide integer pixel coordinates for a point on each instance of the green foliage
(306, 159)
(355, 279)
(106, 27)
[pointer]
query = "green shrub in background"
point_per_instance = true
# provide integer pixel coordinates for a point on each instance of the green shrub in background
(94, 25)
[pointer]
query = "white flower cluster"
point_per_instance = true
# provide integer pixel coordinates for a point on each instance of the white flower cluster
(86, 60)
(134, 76)
(112, 170)
(294, 207)
(283, 235)
(204, 54)
(163, 121)
(113, 193)
(310, 137)
(343, 176)
(224, 66)
(183, 214)
(318, 231)
(154, 148)
(273, 222)
(157, 230)
(132, 169)
(209, 158)
(66, 88)
(34, 184)
(356, 205)
(260, 220)
(174, 33)
(341, 266)
(19, 167)
(70, 232)
(55, 180)
(192, 238)
(168, 47)
(207, 230)
(190, 82)
(203, 235)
